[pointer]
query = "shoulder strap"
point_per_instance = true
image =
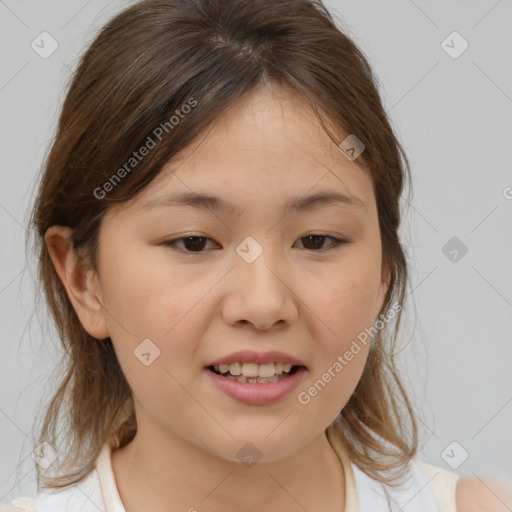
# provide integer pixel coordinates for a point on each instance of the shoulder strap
(85, 496)
(414, 495)
(444, 485)
(22, 503)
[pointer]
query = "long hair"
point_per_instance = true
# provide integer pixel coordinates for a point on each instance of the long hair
(145, 64)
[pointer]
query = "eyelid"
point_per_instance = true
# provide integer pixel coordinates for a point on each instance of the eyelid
(172, 243)
(335, 242)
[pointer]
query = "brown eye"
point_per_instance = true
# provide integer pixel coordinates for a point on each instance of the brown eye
(190, 243)
(315, 242)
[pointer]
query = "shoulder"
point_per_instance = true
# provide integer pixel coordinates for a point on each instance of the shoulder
(85, 496)
(467, 494)
(478, 495)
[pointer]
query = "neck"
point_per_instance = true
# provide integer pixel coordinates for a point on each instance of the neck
(165, 472)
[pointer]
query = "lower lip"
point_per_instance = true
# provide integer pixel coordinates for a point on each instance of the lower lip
(257, 394)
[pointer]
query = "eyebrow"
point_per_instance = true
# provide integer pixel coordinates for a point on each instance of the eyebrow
(217, 204)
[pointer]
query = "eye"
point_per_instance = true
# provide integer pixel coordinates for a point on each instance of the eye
(316, 240)
(197, 243)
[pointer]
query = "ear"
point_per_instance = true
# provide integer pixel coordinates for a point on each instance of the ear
(82, 285)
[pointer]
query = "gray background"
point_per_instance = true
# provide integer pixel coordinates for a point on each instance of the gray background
(453, 116)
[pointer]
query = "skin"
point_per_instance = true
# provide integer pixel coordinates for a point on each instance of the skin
(307, 300)
(484, 495)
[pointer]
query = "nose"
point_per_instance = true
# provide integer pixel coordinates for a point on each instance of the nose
(260, 293)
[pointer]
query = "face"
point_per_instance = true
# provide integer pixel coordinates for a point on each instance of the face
(254, 279)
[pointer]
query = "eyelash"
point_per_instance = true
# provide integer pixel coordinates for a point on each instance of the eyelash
(336, 242)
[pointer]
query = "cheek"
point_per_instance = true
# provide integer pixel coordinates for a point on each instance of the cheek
(150, 297)
(153, 302)
(331, 384)
(342, 341)
(352, 305)
(344, 307)
(157, 322)
(344, 301)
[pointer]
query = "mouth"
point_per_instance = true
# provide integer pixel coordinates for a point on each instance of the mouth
(251, 373)
(256, 384)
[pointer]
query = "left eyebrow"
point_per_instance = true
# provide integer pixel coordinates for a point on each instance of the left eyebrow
(293, 204)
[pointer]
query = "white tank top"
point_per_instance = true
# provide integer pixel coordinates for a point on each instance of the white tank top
(428, 489)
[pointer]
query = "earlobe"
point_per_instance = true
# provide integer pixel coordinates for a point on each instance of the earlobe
(81, 284)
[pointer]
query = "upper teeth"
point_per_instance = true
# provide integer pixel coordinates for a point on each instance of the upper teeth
(253, 369)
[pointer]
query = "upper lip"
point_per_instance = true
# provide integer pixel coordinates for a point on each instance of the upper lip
(249, 356)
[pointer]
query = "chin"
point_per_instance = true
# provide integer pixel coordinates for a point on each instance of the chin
(258, 448)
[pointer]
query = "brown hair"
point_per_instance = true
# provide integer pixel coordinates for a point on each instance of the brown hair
(145, 64)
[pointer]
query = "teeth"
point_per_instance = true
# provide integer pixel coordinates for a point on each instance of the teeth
(250, 369)
(265, 370)
(252, 372)
(259, 380)
(235, 369)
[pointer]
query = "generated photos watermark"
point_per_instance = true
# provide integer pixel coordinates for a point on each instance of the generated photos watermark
(304, 397)
(150, 143)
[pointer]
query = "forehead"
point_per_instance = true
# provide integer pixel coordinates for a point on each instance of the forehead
(267, 150)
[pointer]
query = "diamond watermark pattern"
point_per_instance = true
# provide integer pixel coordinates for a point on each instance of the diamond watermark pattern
(249, 455)
(146, 352)
(44, 455)
(249, 249)
(454, 249)
(454, 455)
(44, 45)
(351, 147)
(454, 45)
